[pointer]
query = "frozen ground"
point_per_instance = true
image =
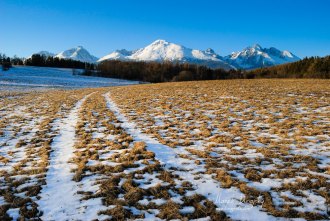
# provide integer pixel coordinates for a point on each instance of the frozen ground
(40, 78)
(59, 198)
(218, 150)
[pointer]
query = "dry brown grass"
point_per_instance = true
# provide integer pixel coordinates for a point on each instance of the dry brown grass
(269, 119)
(242, 132)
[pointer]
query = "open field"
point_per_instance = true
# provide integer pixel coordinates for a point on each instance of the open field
(208, 150)
(28, 78)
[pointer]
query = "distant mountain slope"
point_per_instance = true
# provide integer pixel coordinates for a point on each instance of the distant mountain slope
(162, 50)
(44, 53)
(79, 54)
(257, 57)
(117, 55)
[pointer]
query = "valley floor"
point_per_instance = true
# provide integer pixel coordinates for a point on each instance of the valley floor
(210, 150)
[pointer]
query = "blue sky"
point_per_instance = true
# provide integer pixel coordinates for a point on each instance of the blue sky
(300, 26)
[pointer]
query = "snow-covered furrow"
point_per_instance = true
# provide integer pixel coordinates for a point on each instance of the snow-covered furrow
(227, 200)
(59, 199)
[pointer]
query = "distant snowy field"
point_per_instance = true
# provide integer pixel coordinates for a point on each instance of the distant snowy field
(40, 78)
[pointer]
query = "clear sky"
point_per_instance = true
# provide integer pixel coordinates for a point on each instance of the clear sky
(300, 26)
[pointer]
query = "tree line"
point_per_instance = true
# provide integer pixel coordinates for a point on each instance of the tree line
(44, 61)
(49, 61)
(162, 72)
(312, 67)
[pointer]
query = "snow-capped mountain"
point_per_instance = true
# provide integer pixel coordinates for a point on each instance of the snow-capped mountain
(117, 55)
(255, 57)
(79, 54)
(249, 58)
(162, 50)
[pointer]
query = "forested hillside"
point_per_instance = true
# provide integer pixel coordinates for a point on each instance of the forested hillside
(162, 72)
(313, 67)
(49, 61)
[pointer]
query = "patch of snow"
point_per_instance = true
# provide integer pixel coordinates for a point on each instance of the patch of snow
(187, 210)
(14, 213)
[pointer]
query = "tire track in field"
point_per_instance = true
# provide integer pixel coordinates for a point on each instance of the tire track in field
(227, 200)
(59, 199)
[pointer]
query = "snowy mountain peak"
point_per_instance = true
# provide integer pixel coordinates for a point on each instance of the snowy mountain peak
(255, 57)
(160, 42)
(79, 54)
(124, 52)
(161, 50)
(256, 46)
(210, 51)
(287, 54)
(117, 55)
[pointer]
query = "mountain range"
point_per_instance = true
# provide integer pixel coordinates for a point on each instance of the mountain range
(160, 50)
(79, 54)
(255, 57)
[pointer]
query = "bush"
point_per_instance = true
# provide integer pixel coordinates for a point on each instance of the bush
(184, 76)
(6, 66)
